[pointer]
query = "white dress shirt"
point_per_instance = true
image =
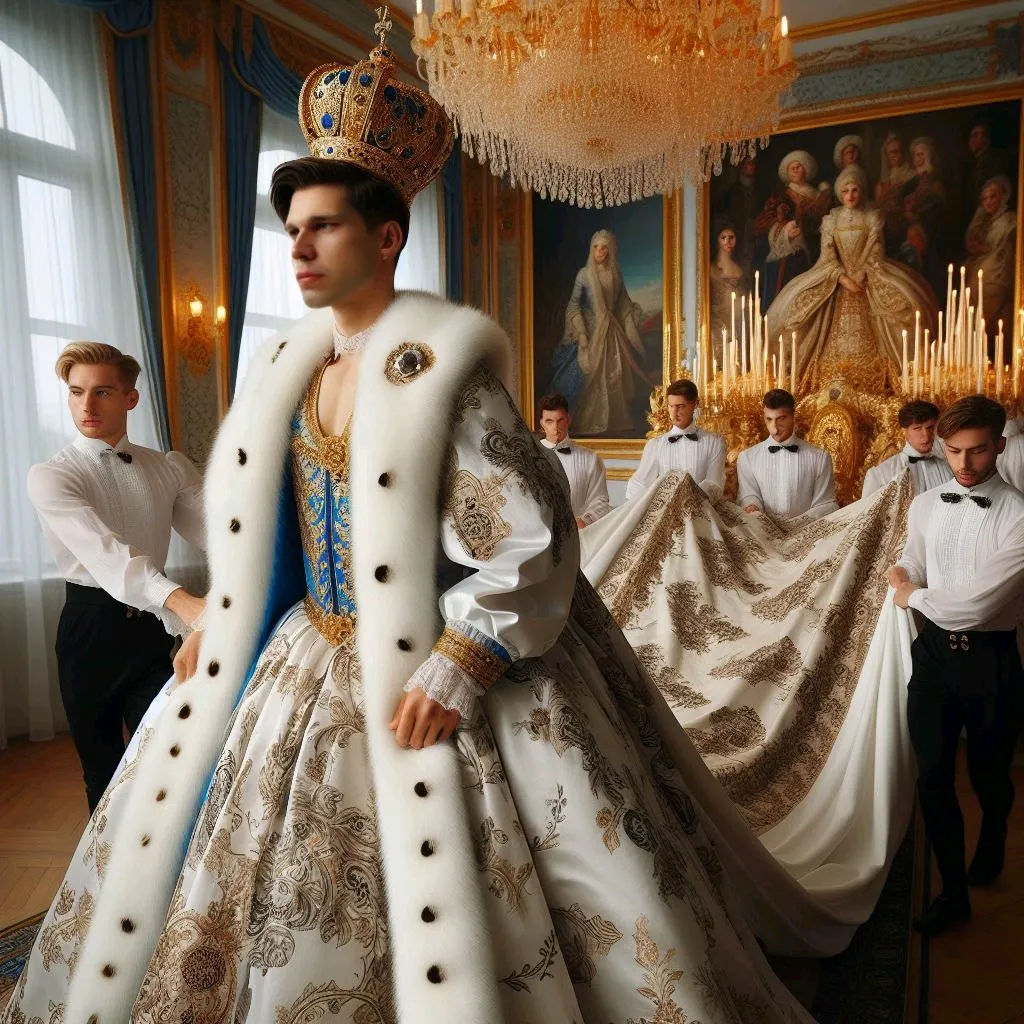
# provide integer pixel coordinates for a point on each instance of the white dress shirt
(108, 522)
(926, 472)
(970, 560)
(699, 453)
(787, 484)
(1011, 462)
(588, 486)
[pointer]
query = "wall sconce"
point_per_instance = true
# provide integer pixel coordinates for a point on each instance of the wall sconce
(202, 333)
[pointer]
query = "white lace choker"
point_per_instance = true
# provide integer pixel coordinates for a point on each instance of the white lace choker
(355, 343)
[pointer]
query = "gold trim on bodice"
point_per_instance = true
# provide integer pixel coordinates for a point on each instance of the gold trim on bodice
(320, 465)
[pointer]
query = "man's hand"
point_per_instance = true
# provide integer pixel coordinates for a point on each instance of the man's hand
(753, 509)
(903, 592)
(186, 606)
(186, 661)
(897, 575)
(421, 722)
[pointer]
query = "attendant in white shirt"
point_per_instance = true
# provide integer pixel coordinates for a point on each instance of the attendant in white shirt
(1011, 462)
(963, 570)
(921, 457)
(784, 475)
(685, 448)
(107, 508)
(588, 485)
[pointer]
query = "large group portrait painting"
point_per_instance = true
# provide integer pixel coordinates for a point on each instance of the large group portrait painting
(598, 309)
(847, 231)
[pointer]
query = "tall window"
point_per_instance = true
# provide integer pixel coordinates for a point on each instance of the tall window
(274, 301)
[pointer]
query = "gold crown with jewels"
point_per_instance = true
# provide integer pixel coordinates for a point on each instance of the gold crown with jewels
(365, 115)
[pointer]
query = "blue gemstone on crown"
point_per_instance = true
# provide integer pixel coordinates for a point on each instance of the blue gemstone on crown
(391, 94)
(330, 149)
(330, 78)
(365, 79)
(407, 152)
(344, 76)
(410, 104)
(327, 121)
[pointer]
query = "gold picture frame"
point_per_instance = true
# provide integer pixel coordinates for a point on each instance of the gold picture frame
(852, 116)
(673, 343)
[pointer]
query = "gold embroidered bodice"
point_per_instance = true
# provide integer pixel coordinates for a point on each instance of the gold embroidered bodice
(320, 466)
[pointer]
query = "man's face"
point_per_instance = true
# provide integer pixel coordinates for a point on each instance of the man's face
(555, 424)
(921, 436)
(100, 401)
(850, 155)
(779, 423)
(978, 141)
(334, 254)
(894, 153)
(971, 454)
(991, 199)
(680, 411)
(748, 168)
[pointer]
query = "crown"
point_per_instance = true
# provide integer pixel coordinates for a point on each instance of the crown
(365, 115)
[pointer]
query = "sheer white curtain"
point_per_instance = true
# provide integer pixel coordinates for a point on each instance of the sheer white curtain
(274, 301)
(64, 275)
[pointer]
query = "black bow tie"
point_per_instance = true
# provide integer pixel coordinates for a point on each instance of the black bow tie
(773, 448)
(564, 451)
(123, 456)
(689, 437)
(954, 499)
(919, 458)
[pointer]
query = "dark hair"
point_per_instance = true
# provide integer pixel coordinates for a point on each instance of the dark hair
(722, 223)
(683, 389)
(554, 402)
(970, 412)
(778, 398)
(372, 198)
(918, 411)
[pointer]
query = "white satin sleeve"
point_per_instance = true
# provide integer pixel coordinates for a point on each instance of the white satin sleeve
(714, 483)
(914, 558)
(646, 473)
(597, 503)
(506, 519)
(997, 586)
(823, 500)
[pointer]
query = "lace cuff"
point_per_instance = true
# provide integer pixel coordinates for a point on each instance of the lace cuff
(444, 681)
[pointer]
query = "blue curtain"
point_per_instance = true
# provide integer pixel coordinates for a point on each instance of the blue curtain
(248, 81)
(130, 21)
(451, 180)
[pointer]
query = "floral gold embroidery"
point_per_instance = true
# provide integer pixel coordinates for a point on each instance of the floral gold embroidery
(582, 940)
(474, 507)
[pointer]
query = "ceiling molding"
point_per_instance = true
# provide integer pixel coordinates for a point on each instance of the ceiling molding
(913, 11)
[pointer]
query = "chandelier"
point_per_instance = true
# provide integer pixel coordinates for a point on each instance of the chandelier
(601, 102)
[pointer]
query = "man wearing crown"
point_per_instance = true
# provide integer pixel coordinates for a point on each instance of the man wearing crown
(415, 774)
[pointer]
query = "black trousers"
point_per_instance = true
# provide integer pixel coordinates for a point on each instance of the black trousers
(112, 661)
(963, 681)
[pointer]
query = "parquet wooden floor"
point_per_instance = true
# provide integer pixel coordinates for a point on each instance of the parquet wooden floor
(42, 814)
(976, 972)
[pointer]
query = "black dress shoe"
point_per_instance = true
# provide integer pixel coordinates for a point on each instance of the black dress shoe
(989, 855)
(943, 912)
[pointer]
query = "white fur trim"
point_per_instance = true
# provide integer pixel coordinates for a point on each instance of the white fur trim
(400, 531)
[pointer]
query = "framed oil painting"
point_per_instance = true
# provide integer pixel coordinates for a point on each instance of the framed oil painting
(940, 185)
(601, 317)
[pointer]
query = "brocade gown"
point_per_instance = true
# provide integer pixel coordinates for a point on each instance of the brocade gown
(605, 899)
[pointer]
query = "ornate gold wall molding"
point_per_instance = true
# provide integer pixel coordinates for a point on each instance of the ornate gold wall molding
(914, 11)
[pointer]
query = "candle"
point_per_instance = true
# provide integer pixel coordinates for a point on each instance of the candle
(917, 352)
(982, 359)
(999, 359)
(714, 376)
(782, 354)
(792, 367)
(981, 309)
(905, 376)
(938, 336)
(732, 329)
(785, 43)
(950, 299)
(421, 25)
(953, 324)
(743, 340)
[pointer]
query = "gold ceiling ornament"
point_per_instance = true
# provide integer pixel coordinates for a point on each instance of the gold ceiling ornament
(601, 102)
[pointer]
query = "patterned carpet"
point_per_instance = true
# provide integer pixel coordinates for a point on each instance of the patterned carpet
(868, 981)
(15, 946)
